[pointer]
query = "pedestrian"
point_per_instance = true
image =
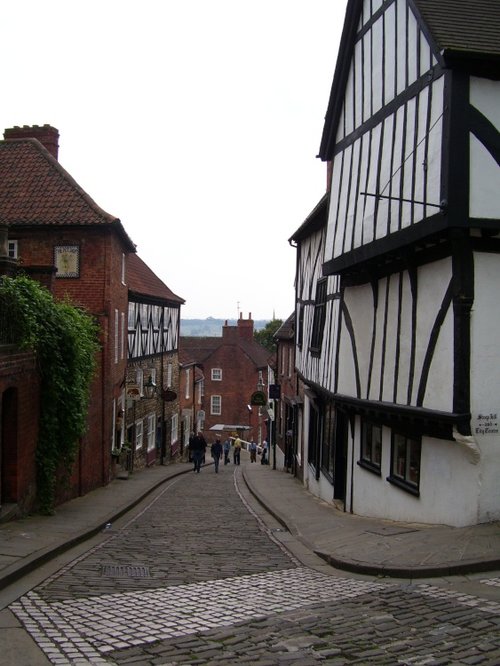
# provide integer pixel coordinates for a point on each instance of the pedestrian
(191, 437)
(264, 459)
(227, 448)
(197, 448)
(237, 451)
(216, 452)
(253, 451)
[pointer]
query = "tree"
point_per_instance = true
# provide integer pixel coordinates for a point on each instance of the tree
(265, 336)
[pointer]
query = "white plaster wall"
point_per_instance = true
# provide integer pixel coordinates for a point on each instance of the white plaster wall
(485, 174)
(485, 380)
(433, 281)
(448, 487)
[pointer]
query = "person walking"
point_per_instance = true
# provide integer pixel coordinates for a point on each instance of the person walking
(264, 459)
(227, 449)
(237, 451)
(253, 451)
(197, 448)
(216, 452)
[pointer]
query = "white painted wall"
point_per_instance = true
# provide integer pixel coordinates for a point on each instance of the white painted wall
(485, 380)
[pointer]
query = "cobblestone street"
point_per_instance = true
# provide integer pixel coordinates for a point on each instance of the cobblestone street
(195, 576)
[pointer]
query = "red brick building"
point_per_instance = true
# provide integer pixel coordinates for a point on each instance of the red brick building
(235, 367)
(61, 237)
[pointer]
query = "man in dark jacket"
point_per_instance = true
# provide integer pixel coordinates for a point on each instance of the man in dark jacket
(216, 451)
(197, 448)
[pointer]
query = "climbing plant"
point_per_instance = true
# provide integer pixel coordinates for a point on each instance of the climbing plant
(65, 340)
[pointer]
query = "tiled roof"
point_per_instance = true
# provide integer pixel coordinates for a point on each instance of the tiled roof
(36, 190)
(467, 26)
(142, 281)
(200, 348)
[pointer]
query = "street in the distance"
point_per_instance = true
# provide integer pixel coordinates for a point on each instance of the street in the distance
(200, 572)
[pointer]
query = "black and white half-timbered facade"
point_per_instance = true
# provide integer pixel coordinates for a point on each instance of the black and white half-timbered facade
(151, 428)
(397, 285)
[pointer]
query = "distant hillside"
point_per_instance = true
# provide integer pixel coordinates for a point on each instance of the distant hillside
(211, 327)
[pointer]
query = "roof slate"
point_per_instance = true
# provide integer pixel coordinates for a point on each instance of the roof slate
(200, 348)
(36, 190)
(467, 26)
(142, 280)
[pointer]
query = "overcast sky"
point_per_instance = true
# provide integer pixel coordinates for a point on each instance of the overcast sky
(196, 122)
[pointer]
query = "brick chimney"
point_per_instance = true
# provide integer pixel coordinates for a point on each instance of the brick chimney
(46, 134)
(245, 327)
(243, 330)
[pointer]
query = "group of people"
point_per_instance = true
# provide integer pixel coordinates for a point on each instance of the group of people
(198, 448)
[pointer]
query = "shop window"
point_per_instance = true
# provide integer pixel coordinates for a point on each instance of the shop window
(371, 446)
(405, 462)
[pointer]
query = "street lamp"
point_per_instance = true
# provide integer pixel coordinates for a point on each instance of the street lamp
(149, 388)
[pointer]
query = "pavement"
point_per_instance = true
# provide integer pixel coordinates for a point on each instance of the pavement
(348, 542)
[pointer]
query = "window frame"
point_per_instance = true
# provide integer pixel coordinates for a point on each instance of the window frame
(319, 317)
(214, 373)
(401, 477)
(367, 447)
(12, 248)
(150, 432)
(213, 409)
(139, 434)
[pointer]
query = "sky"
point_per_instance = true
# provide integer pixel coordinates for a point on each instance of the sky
(196, 122)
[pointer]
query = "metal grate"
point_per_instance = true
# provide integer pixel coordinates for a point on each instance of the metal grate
(125, 571)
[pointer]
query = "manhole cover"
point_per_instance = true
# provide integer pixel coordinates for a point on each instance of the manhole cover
(124, 571)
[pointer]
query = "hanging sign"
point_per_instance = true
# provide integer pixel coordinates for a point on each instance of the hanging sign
(168, 395)
(258, 398)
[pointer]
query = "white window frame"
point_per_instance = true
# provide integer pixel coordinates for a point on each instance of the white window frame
(150, 431)
(123, 268)
(12, 249)
(116, 335)
(174, 428)
(122, 337)
(216, 405)
(216, 374)
(169, 375)
(139, 380)
(139, 434)
(188, 382)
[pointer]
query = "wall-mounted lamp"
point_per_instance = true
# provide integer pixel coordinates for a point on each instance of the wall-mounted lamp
(149, 388)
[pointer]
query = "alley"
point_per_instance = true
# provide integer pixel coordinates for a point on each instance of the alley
(198, 574)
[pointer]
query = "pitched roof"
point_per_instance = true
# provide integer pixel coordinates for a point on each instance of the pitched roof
(142, 281)
(469, 27)
(465, 33)
(316, 219)
(200, 348)
(36, 190)
(287, 330)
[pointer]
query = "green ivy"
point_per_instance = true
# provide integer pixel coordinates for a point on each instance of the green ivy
(65, 340)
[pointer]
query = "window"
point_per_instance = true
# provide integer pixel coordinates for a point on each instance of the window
(150, 431)
(371, 446)
(139, 430)
(328, 439)
(174, 427)
(300, 327)
(405, 463)
(123, 269)
(188, 376)
(216, 374)
(319, 317)
(116, 336)
(12, 249)
(215, 405)
(139, 380)
(169, 375)
(122, 336)
(200, 390)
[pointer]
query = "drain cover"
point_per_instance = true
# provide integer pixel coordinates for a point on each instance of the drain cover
(124, 571)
